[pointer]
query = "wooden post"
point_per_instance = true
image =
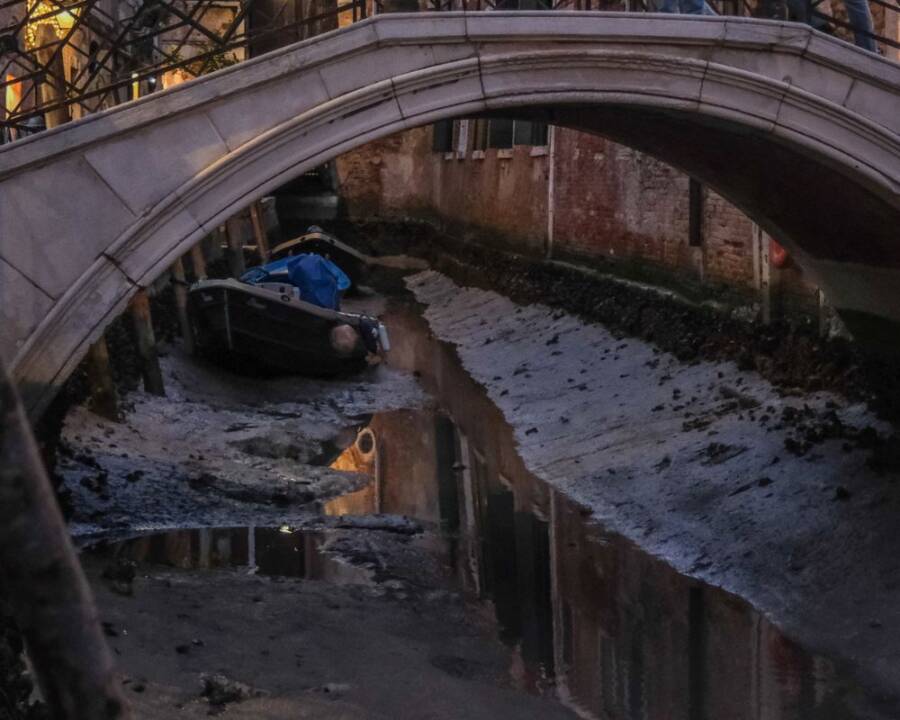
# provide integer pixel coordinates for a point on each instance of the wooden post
(259, 231)
(235, 246)
(43, 582)
(762, 273)
(181, 298)
(102, 399)
(146, 341)
(198, 261)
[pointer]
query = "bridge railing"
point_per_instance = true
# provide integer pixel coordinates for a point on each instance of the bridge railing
(806, 11)
(61, 59)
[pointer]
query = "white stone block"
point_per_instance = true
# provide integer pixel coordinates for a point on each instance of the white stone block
(147, 165)
(242, 117)
(56, 220)
(22, 307)
(428, 90)
(66, 332)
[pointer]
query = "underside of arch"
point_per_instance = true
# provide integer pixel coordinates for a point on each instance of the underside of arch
(833, 202)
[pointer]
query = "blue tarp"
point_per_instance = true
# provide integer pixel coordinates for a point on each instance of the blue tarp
(319, 281)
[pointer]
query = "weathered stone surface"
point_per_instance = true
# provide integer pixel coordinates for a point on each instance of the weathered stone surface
(139, 183)
(56, 220)
(21, 311)
(146, 165)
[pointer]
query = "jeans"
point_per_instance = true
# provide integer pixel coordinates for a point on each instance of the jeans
(689, 7)
(861, 20)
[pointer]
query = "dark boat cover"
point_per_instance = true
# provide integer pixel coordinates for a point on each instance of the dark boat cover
(318, 280)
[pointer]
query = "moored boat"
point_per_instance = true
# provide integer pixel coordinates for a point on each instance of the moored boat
(267, 327)
(354, 263)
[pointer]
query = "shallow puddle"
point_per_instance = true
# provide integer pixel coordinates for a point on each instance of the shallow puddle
(590, 618)
(266, 551)
(613, 632)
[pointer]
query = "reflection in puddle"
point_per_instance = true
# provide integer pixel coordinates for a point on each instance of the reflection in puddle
(611, 631)
(265, 551)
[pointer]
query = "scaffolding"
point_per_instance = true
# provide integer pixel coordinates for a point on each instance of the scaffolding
(62, 59)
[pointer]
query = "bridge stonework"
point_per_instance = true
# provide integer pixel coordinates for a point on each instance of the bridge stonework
(798, 130)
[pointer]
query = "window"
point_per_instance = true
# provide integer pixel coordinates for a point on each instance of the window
(526, 132)
(504, 133)
(500, 133)
(442, 138)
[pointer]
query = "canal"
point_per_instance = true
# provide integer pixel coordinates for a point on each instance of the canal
(588, 619)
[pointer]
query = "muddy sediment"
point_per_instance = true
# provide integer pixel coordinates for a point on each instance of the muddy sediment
(576, 492)
(790, 353)
(219, 449)
(340, 646)
(704, 465)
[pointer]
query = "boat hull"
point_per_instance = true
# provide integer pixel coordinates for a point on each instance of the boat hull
(248, 329)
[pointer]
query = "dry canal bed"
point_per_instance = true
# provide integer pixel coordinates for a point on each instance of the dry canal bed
(590, 522)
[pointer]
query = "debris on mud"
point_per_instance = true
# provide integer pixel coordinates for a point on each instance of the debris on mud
(385, 523)
(216, 452)
(792, 356)
(220, 690)
(655, 450)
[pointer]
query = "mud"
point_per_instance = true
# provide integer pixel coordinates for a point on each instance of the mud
(219, 449)
(704, 465)
(329, 624)
(581, 497)
(790, 354)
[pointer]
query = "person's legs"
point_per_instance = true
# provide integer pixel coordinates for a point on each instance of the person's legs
(667, 6)
(861, 19)
(695, 7)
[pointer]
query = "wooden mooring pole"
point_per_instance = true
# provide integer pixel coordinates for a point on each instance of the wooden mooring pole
(181, 299)
(146, 343)
(102, 398)
(198, 261)
(236, 264)
(259, 231)
(43, 583)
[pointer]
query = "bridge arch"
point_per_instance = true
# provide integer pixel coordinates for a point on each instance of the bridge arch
(797, 129)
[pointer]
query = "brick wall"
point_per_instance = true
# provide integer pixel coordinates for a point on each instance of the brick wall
(495, 194)
(389, 178)
(727, 242)
(614, 202)
(609, 202)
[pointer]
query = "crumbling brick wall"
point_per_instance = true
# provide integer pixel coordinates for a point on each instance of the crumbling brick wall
(610, 203)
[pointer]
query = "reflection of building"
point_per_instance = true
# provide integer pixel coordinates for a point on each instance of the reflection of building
(619, 634)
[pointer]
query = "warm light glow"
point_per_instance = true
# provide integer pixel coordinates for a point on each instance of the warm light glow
(135, 86)
(171, 78)
(46, 13)
(13, 94)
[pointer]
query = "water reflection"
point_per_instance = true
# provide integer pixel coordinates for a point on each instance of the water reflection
(615, 633)
(262, 550)
(590, 617)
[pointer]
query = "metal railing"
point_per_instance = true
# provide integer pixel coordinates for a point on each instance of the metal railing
(116, 50)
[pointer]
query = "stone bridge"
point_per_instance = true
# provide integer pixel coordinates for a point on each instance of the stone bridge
(797, 129)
